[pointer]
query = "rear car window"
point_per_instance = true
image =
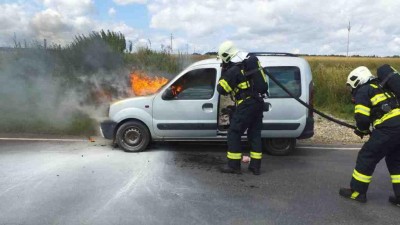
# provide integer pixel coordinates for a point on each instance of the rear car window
(289, 77)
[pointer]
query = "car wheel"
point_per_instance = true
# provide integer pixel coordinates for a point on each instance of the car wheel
(279, 146)
(133, 136)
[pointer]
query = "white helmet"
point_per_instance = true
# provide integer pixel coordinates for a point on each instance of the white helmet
(226, 51)
(359, 76)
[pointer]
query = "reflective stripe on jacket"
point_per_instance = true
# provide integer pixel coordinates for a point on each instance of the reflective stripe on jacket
(368, 100)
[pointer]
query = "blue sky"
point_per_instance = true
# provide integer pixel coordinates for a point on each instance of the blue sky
(295, 26)
(135, 14)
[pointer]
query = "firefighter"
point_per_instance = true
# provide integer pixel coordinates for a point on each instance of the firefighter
(249, 107)
(377, 107)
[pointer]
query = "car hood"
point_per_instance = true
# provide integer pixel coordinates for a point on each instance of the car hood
(142, 102)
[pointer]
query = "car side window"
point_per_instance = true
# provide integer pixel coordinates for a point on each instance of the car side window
(288, 76)
(195, 84)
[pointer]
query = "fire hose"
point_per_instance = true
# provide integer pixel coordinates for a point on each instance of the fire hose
(304, 103)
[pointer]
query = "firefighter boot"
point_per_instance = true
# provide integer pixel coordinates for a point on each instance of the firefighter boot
(394, 200)
(233, 166)
(254, 166)
(350, 194)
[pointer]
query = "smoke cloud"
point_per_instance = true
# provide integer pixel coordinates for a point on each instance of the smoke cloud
(39, 93)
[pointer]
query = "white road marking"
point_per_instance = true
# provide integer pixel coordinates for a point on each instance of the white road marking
(43, 139)
(330, 148)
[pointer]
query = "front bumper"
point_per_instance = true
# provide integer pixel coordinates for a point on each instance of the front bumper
(107, 129)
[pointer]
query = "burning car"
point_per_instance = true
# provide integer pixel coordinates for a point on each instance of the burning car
(188, 107)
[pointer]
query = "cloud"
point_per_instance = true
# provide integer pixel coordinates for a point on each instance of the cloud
(14, 18)
(283, 25)
(48, 23)
(127, 2)
(58, 27)
(254, 25)
(193, 17)
(394, 45)
(111, 11)
(129, 32)
(57, 21)
(71, 7)
(11, 15)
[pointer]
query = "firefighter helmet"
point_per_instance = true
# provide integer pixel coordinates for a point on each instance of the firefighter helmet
(359, 76)
(227, 50)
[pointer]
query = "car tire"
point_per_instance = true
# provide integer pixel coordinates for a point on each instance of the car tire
(279, 146)
(133, 136)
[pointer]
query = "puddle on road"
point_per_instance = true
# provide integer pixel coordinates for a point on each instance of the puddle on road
(199, 161)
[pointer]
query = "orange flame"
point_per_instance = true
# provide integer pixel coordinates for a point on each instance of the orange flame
(176, 89)
(143, 84)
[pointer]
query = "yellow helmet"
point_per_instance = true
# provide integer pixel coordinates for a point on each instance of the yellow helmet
(227, 50)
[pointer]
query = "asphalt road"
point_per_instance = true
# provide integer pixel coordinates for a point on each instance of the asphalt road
(85, 182)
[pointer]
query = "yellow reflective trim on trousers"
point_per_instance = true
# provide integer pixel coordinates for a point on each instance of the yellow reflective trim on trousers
(362, 110)
(256, 155)
(391, 114)
(225, 85)
(361, 177)
(378, 98)
(233, 155)
(354, 195)
(395, 179)
(262, 71)
(244, 85)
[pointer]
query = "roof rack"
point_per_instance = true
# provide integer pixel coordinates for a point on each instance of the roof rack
(272, 54)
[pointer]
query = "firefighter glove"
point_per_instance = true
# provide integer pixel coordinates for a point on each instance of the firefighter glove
(361, 134)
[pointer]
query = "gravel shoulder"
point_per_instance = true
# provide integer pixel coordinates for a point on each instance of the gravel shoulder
(328, 132)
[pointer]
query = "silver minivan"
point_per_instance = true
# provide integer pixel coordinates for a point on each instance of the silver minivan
(188, 108)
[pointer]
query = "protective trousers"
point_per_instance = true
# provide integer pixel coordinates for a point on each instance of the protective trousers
(384, 142)
(248, 115)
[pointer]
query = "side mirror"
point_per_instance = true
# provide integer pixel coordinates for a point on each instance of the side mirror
(168, 94)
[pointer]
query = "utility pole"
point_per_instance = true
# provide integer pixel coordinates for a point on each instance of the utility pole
(171, 42)
(348, 38)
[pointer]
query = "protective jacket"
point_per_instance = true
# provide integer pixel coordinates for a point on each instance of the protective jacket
(237, 82)
(375, 105)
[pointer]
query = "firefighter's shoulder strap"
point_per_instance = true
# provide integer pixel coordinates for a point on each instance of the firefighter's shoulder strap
(380, 85)
(383, 82)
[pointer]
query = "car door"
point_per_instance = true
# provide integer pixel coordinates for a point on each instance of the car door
(287, 117)
(187, 108)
